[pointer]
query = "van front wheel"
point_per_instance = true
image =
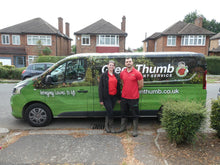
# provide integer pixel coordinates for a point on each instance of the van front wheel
(38, 115)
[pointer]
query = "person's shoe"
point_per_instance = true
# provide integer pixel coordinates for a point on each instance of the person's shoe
(123, 125)
(135, 127)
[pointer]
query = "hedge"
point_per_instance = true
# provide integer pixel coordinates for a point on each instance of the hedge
(182, 120)
(215, 116)
(213, 65)
(10, 72)
(52, 59)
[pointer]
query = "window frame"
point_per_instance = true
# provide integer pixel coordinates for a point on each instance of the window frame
(171, 40)
(16, 40)
(85, 38)
(46, 40)
(107, 40)
(193, 40)
(5, 37)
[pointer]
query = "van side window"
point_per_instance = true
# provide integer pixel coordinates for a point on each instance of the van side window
(57, 75)
(73, 70)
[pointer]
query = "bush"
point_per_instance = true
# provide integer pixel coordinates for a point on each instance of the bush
(215, 116)
(10, 72)
(182, 120)
(213, 65)
(52, 59)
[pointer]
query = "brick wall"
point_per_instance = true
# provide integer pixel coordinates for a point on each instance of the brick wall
(93, 49)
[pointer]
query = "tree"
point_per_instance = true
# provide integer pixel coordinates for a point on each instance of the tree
(209, 25)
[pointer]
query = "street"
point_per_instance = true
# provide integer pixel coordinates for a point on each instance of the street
(8, 121)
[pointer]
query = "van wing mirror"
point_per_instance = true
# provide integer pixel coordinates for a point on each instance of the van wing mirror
(48, 80)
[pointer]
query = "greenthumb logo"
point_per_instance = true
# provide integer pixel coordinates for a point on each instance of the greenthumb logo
(182, 69)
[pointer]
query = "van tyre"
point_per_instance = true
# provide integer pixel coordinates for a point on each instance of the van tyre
(38, 115)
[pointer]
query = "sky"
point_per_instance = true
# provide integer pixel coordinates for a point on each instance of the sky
(143, 17)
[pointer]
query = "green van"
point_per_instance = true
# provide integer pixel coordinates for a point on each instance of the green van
(70, 87)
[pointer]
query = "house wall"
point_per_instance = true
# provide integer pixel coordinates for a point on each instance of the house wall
(92, 48)
(214, 44)
(162, 46)
(59, 47)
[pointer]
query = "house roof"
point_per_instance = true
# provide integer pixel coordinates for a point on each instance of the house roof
(101, 27)
(217, 36)
(34, 26)
(182, 28)
(153, 36)
(13, 50)
(216, 50)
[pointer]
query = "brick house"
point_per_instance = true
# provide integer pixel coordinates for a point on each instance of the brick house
(19, 44)
(214, 48)
(101, 37)
(181, 36)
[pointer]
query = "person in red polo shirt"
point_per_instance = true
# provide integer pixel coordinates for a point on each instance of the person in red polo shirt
(132, 81)
(109, 93)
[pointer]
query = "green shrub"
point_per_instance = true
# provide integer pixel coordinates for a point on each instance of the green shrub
(215, 116)
(213, 65)
(182, 120)
(46, 51)
(52, 59)
(10, 72)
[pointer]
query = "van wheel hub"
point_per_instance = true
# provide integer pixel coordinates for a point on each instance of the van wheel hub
(37, 115)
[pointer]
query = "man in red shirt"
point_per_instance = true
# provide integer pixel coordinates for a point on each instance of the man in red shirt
(132, 81)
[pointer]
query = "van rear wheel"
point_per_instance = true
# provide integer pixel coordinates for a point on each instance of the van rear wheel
(38, 115)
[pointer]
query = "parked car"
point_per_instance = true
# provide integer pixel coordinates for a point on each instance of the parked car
(35, 69)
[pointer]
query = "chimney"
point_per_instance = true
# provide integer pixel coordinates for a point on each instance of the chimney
(60, 24)
(198, 21)
(123, 23)
(67, 29)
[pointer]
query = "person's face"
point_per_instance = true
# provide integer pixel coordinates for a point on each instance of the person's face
(128, 63)
(111, 66)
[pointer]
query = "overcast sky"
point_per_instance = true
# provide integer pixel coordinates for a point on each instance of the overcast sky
(142, 16)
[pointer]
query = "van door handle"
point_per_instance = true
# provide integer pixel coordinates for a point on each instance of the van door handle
(82, 91)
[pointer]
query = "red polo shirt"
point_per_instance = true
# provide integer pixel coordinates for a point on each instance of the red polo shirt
(112, 84)
(130, 86)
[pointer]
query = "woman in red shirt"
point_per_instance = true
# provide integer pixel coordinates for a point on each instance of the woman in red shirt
(109, 93)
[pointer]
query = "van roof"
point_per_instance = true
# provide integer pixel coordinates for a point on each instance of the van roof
(149, 54)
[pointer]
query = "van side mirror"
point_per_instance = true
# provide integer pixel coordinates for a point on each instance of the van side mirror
(48, 80)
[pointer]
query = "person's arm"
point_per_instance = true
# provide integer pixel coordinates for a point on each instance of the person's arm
(140, 84)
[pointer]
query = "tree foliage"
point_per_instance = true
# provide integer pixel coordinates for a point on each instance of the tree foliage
(209, 25)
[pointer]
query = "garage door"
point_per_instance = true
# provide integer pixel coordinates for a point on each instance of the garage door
(5, 61)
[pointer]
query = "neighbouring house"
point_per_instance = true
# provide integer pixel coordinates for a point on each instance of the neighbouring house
(101, 37)
(214, 48)
(181, 36)
(22, 43)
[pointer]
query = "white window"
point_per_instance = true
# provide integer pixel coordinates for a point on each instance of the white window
(85, 39)
(171, 40)
(107, 40)
(218, 42)
(193, 40)
(32, 59)
(16, 39)
(5, 39)
(34, 39)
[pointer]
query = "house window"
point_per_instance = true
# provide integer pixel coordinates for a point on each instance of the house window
(85, 39)
(16, 39)
(32, 59)
(219, 42)
(5, 39)
(193, 40)
(34, 39)
(107, 40)
(171, 40)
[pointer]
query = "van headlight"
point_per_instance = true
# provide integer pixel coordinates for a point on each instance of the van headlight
(18, 87)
